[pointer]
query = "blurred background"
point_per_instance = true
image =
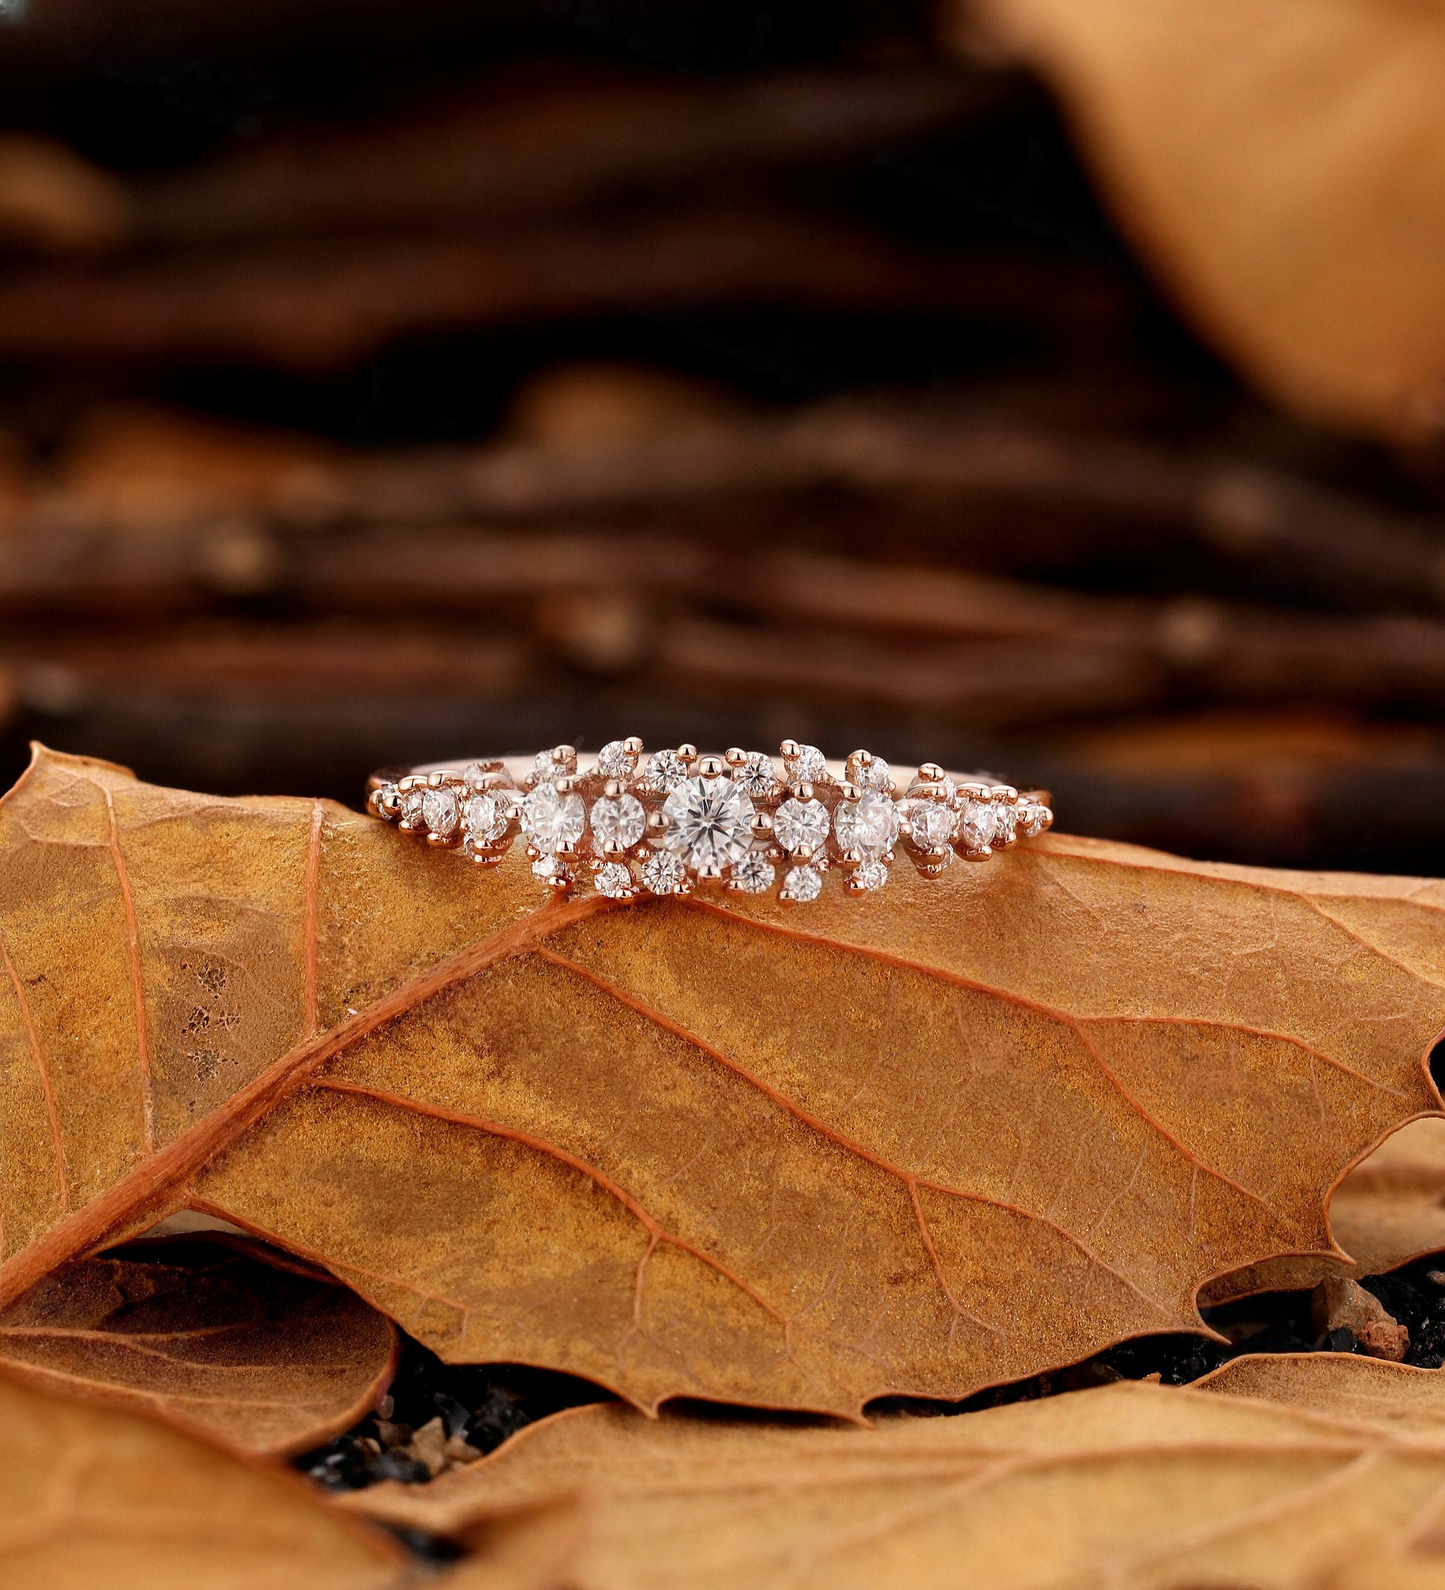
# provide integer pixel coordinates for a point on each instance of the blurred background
(383, 382)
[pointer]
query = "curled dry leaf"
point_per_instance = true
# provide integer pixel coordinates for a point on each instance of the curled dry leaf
(1389, 1210)
(259, 1358)
(1282, 162)
(949, 1135)
(98, 1499)
(1137, 1487)
(1396, 1399)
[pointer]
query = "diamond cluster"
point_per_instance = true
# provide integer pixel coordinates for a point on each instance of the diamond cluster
(666, 823)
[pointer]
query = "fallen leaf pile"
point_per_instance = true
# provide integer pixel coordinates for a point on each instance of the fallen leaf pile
(923, 1144)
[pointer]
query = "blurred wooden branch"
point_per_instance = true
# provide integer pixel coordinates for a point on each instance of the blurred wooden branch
(540, 147)
(400, 525)
(313, 306)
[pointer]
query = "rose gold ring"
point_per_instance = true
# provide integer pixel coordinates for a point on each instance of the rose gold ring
(666, 823)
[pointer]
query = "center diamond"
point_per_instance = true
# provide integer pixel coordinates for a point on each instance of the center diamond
(709, 823)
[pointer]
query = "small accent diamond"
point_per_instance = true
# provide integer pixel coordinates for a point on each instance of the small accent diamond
(803, 883)
(486, 818)
(757, 776)
(548, 869)
(809, 766)
(931, 824)
(801, 825)
(665, 771)
(550, 819)
(1005, 823)
(662, 874)
(1033, 819)
(613, 880)
(619, 822)
(876, 775)
(868, 825)
(754, 874)
(871, 875)
(614, 760)
(975, 825)
(439, 809)
(412, 808)
(475, 774)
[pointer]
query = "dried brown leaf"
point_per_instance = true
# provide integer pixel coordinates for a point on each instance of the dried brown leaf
(1132, 1486)
(1283, 164)
(259, 1358)
(1396, 1399)
(98, 1499)
(1389, 1210)
(948, 1136)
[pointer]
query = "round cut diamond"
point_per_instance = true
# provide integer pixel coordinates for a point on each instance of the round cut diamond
(931, 824)
(548, 869)
(754, 874)
(975, 826)
(709, 822)
(756, 776)
(1005, 822)
(665, 771)
(876, 775)
(475, 774)
(486, 818)
(663, 874)
(439, 811)
(550, 819)
(412, 807)
(1033, 819)
(613, 880)
(803, 883)
(868, 825)
(614, 760)
(801, 825)
(871, 875)
(619, 822)
(809, 766)
(543, 765)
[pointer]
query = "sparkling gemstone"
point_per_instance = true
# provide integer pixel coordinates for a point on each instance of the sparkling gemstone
(871, 875)
(868, 825)
(1005, 823)
(486, 818)
(757, 776)
(663, 874)
(550, 819)
(475, 774)
(875, 776)
(1033, 819)
(801, 825)
(619, 822)
(803, 883)
(549, 869)
(709, 822)
(975, 826)
(439, 811)
(613, 880)
(412, 805)
(665, 771)
(931, 824)
(754, 874)
(614, 760)
(543, 765)
(809, 766)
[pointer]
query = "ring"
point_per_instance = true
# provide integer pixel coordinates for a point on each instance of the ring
(677, 820)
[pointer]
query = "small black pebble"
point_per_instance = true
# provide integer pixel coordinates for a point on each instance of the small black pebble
(397, 1466)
